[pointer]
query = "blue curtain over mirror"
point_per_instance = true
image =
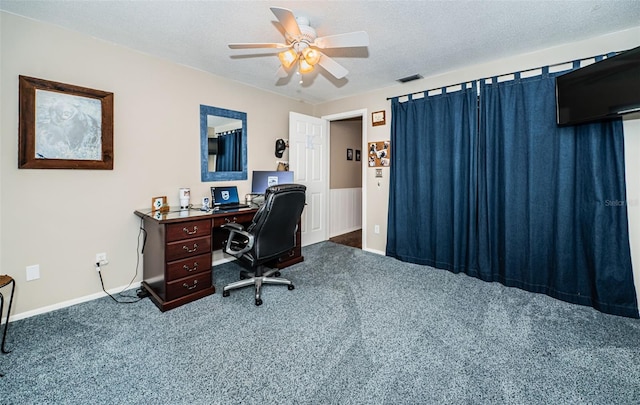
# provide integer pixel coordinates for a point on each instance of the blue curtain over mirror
(229, 158)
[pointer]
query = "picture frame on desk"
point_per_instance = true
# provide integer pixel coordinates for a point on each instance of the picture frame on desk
(159, 204)
(63, 126)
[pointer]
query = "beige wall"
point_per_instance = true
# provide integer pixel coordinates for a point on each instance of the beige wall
(345, 173)
(60, 219)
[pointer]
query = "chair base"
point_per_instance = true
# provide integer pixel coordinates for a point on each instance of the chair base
(257, 281)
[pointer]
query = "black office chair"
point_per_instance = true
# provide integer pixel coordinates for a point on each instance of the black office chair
(271, 233)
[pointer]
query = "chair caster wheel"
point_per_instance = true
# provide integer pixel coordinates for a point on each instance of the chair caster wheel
(258, 302)
(225, 293)
(277, 274)
(290, 286)
(242, 277)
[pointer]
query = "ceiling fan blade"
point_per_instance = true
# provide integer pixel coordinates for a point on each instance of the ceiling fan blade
(348, 40)
(333, 67)
(282, 73)
(258, 45)
(287, 20)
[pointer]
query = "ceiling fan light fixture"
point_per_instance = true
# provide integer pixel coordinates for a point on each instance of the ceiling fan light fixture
(311, 56)
(288, 58)
(300, 37)
(305, 67)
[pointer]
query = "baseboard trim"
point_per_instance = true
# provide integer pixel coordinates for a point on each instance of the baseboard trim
(378, 252)
(75, 301)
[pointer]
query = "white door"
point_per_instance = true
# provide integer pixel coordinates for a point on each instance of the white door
(308, 160)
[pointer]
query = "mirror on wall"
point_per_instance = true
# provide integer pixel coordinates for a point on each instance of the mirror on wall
(223, 144)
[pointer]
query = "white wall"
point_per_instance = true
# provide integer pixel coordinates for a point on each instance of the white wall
(378, 189)
(60, 219)
(631, 125)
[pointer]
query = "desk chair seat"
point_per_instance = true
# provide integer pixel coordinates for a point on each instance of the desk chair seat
(272, 233)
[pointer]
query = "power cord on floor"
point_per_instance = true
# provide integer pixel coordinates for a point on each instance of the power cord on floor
(141, 293)
(138, 298)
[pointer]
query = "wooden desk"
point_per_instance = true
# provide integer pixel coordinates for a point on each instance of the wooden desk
(177, 253)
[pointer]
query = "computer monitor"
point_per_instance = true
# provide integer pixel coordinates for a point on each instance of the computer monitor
(263, 179)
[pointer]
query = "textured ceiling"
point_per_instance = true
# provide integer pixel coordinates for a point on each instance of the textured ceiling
(406, 37)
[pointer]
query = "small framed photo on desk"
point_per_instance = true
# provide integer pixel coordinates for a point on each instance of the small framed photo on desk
(159, 204)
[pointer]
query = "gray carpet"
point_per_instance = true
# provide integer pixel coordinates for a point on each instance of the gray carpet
(358, 329)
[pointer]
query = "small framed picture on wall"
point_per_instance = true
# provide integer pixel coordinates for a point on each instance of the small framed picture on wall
(349, 154)
(378, 118)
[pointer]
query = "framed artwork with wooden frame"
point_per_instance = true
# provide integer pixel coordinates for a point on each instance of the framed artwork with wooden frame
(378, 118)
(62, 126)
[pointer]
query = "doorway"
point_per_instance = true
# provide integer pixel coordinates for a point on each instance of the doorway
(346, 155)
(310, 160)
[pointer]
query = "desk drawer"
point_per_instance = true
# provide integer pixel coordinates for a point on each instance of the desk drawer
(188, 267)
(187, 248)
(237, 217)
(188, 285)
(191, 229)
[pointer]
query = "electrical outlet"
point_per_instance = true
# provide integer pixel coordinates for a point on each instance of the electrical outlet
(33, 272)
(101, 261)
(376, 228)
(101, 257)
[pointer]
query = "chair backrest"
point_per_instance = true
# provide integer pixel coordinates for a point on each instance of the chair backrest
(274, 225)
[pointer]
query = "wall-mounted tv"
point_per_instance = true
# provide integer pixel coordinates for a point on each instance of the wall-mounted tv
(600, 91)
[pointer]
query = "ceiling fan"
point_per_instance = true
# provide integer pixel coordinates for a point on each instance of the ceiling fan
(303, 45)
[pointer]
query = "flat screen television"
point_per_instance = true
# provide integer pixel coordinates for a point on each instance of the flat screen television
(261, 180)
(600, 91)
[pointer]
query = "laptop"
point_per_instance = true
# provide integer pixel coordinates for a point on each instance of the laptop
(226, 198)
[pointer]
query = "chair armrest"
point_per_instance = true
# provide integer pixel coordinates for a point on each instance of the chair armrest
(246, 243)
(233, 225)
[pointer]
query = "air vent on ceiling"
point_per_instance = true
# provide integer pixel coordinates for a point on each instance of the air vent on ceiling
(409, 78)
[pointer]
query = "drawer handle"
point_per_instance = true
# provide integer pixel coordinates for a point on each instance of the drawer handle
(191, 287)
(234, 219)
(195, 247)
(292, 253)
(190, 269)
(195, 230)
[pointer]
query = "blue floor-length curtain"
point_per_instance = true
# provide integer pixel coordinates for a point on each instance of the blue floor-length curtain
(551, 207)
(229, 158)
(433, 180)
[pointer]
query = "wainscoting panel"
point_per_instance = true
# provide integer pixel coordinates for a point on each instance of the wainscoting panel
(345, 210)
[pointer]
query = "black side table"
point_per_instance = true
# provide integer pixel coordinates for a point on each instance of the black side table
(4, 281)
